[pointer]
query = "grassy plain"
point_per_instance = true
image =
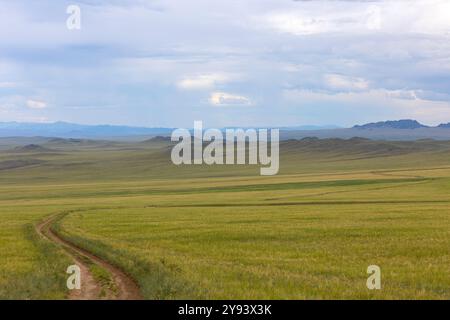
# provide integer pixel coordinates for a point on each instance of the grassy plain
(224, 231)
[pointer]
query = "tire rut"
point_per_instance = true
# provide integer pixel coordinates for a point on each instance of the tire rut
(126, 287)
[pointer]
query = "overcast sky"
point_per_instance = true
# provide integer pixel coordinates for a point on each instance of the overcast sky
(226, 62)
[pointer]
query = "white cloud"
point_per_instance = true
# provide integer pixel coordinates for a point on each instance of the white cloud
(11, 109)
(337, 81)
(36, 104)
(7, 84)
(296, 24)
(318, 17)
(227, 99)
(399, 17)
(355, 97)
(203, 81)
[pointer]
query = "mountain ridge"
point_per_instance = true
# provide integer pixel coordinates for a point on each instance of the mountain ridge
(392, 124)
(72, 130)
(405, 129)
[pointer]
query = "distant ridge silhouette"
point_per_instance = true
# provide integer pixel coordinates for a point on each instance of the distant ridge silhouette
(396, 124)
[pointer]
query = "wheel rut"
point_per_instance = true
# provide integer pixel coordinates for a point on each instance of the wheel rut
(123, 287)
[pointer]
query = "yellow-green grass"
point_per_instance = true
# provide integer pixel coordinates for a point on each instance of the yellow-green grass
(30, 267)
(251, 247)
(226, 232)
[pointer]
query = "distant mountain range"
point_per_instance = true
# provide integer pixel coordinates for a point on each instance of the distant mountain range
(385, 130)
(72, 130)
(398, 124)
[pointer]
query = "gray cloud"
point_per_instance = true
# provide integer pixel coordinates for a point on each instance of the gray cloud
(161, 61)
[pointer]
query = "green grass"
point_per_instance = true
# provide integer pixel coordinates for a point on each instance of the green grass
(278, 252)
(102, 277)
(225, 232)
(31, 267)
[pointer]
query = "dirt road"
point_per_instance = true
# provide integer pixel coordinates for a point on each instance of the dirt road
(124, 287)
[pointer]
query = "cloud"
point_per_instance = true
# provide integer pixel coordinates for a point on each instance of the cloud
(36, 104)
(337, 81)
(227, 99)
(356, 97)
(338, 51)
(11, 109)
(10, 102)
(203, 81)
(317, 17)
(386, 103)
(7, 84)
(356, 17)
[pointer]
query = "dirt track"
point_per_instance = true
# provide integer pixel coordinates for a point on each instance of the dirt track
(126, 287)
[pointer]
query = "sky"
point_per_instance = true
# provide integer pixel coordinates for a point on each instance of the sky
(166, 63)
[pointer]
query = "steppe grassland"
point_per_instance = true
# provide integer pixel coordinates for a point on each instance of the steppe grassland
(215, 232)
(291, 243)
